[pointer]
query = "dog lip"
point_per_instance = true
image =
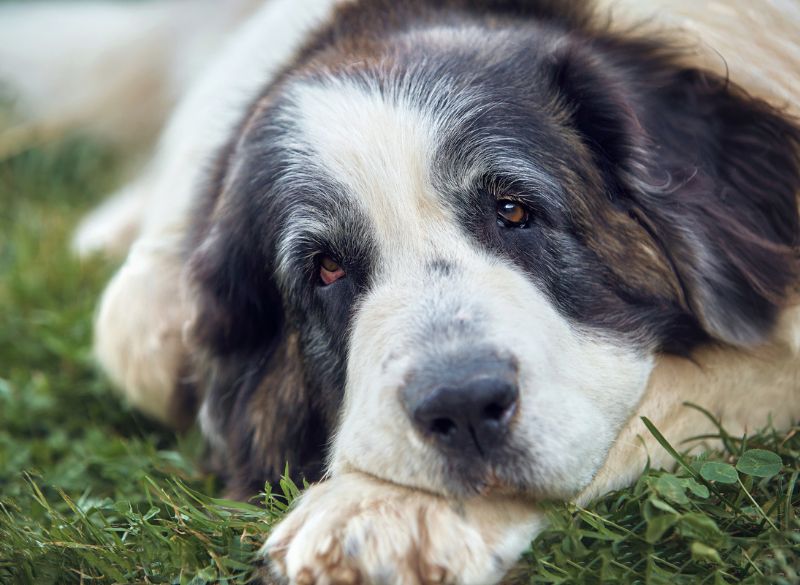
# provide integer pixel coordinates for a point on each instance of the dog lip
(479, 481)
(457, 484)
(348, 466)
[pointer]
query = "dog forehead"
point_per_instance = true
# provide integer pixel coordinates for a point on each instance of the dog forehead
(381, 146)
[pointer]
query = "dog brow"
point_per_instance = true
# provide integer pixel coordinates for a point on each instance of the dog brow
(305, 229)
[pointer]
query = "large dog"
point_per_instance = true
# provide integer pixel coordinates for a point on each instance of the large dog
(442, 253)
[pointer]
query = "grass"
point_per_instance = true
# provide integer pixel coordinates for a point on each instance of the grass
(91, 492)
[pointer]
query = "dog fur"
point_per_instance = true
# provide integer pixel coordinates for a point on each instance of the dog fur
(656, 151)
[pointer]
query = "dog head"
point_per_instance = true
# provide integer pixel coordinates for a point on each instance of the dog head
(454, 250)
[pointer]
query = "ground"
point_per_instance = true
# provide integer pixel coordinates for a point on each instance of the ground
(91, 492)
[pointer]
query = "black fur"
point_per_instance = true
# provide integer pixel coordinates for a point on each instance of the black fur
(714, 170)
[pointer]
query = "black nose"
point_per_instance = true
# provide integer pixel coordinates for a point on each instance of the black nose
(466, 414)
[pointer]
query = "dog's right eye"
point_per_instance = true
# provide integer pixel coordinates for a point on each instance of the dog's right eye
(511, 213)
(330, 271)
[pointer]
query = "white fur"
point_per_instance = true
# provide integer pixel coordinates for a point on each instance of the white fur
(114, 225)
(113, 68)
(755, 42)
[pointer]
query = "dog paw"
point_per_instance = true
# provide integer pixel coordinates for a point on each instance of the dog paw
(112, 227)
(355, 529)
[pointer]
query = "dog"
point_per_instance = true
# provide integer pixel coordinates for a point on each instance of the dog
(444, 254)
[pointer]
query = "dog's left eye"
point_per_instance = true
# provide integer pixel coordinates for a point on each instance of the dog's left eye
(329, 270)
(511, 214)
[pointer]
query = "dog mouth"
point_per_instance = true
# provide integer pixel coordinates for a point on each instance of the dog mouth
(494, 473)
(459, 483)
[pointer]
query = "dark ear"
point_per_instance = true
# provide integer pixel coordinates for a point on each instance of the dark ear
(257, 411)
(713, 172)
(237, 307)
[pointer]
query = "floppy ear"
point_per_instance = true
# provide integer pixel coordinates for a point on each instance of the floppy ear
(236, 304)
(257, 411)
(712, 173)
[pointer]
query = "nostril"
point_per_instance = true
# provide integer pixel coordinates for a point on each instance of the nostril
(444, 427)
(495, 411)
(500, 401)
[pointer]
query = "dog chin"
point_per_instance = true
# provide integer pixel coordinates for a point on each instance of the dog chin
(485, 481)
(510, 473)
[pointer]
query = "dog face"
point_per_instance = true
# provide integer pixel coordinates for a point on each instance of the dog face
(461, 267)
(460, 369)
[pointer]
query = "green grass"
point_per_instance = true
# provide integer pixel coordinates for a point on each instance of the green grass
(91, 492)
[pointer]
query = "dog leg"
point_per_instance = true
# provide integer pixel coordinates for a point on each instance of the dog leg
(138, 328)
(723, 381)
(112, 227)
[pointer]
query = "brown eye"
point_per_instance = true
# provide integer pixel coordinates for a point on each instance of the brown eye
(329, 270)
(511, 214)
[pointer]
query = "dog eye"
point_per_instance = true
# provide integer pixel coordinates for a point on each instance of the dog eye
(511, 214)
(329, 270)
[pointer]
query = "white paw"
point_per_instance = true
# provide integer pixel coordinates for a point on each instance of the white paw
(357, 530)
(112, 227)
(138, 330)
